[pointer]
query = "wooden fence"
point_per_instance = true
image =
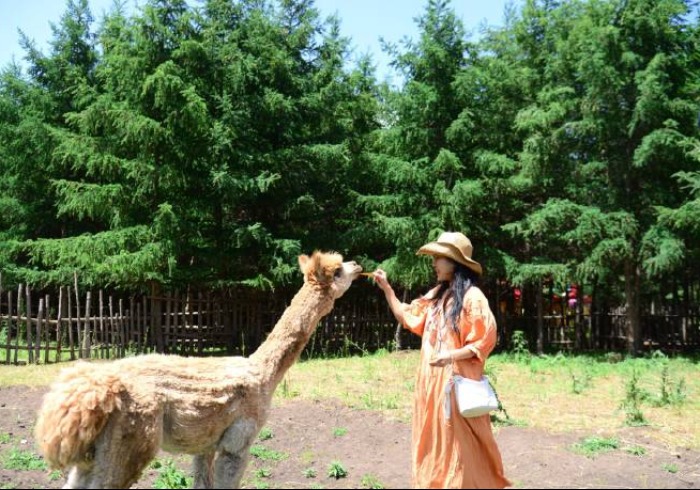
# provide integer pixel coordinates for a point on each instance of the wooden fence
(42, 327)
(47, 327)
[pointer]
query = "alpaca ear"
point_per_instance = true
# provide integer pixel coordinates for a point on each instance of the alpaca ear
(311, 267)
(303, 261)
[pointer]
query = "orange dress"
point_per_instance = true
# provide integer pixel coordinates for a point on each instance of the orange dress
(457, 452)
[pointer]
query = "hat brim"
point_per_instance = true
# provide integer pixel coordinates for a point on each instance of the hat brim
(451, 252)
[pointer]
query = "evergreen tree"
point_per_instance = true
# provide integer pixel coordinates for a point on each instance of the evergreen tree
(609, 130)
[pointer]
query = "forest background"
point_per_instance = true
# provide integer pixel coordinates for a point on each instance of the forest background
(208, 146)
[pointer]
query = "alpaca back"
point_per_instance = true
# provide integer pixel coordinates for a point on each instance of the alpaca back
(74, 412)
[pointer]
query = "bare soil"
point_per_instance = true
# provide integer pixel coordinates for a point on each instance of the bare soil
(375, 452)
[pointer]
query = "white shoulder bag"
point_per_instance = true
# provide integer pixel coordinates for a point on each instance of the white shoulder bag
(474, 398)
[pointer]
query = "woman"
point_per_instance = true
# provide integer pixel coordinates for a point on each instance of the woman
(459, 332)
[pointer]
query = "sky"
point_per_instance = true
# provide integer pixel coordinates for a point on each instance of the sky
(363, 21)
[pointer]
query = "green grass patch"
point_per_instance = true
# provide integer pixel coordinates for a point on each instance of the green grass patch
(370, 481)
(265, 454)
(55, 475)
(593, 446)
(635, 450)
(265, 434)
(337, 470)
(169, 476)
(339, 431)
(20, 460)
(670, 467)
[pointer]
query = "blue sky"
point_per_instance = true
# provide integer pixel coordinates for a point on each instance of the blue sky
(364, 21)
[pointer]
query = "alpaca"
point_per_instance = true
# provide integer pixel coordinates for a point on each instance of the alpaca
(106, 422)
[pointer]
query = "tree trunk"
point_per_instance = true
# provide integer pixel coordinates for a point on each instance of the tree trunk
(634, 324)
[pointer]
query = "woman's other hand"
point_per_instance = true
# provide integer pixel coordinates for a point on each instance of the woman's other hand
(381, 280)
(441, 360)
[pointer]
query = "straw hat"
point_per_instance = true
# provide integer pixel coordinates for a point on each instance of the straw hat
(453, 245)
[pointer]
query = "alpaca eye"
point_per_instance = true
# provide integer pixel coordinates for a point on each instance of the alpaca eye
(338, 272)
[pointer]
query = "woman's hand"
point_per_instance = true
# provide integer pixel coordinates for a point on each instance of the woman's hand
(442, 359)
(381, 280)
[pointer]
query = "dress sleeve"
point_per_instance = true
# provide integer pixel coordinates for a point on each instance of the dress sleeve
(414, 315)
(477, 325)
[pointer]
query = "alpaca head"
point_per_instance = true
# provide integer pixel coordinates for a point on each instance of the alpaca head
(328, 271)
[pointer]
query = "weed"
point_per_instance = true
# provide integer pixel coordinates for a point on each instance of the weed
(670, 467)
(519, 346)
(579, 382)
(286, 391)
(265, 454)
(55, 475)
(370, 481)
(339, 431)
(636, 450)
(265, 434)
(23, 461)
(337, 470)
(309, 473)
(5, 438)
(169, 476)
(263, 472)
(592, 446)
(260, 484)
(669, 394)
(632, 403)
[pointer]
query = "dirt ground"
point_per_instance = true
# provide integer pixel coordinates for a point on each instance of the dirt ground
(375, 452)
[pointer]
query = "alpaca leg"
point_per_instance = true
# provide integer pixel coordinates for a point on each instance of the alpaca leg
(203, 470)
(124, 449)
(78, 478)
(229, 469)
(232, 454)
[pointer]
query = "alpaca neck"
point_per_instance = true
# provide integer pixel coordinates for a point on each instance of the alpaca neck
(287, 340)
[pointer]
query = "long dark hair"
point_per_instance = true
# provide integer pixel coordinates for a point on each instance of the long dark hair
(463, 278)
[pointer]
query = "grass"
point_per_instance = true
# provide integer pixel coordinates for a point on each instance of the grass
(265, 434)
(536, 391)
(339, 431)
(169, 476)
(540, 392)
(17, 459)
(670, 467)
(370, 481)
(636, 450)
(337, 470)
(592, 446)
(309, 473)
(265, 454)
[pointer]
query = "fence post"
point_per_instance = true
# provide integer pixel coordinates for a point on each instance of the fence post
(112, 331)
(167, 336)
(9, 327)
(70, 325)
(87, 341)
(59, 327)
(122, 329)
(19, 309)
(30, 345)
(77, 316)
(47, 328)
(39, 322)
(98, 313)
